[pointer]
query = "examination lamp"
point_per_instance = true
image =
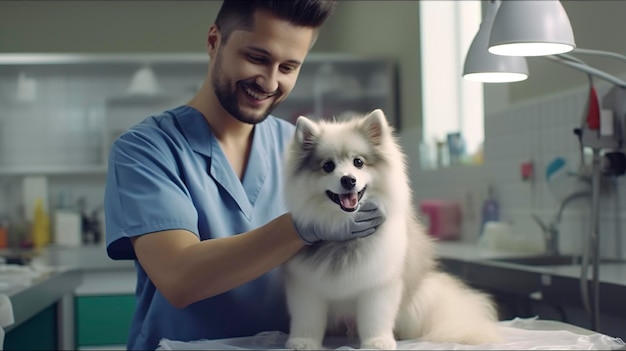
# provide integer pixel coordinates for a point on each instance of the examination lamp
(607, 158)
(483, 66)
(531, 28)
(542, 28)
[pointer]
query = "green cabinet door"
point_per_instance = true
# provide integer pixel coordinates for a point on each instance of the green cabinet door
(103, 320)
(37, 333)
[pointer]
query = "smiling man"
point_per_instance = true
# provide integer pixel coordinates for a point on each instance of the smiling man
(195, 196)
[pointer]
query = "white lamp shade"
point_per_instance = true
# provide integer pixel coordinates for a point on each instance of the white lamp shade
(531, 28)
(143, 82)
(483, 66)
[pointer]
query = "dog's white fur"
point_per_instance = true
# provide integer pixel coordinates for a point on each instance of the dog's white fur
(388, 283)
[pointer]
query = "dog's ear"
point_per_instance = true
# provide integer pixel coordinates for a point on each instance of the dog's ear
(375, 126)
(306, 132)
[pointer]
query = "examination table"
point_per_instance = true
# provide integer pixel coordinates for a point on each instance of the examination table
(518, 334)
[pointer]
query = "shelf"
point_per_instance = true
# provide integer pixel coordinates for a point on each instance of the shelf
(53, 170)
(146, 99)
(153, 58)
(63, 59)
(335, 96)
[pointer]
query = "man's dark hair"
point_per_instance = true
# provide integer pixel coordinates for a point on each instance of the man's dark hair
(238, 14)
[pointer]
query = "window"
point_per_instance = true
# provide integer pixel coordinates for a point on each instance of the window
(453, 127)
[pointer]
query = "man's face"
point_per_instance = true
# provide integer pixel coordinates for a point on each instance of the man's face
(255, 70)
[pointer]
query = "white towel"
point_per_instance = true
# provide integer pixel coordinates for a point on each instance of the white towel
(518, 334)
(6, 316)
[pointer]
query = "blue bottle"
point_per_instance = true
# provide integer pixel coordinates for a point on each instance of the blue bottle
(490, 210)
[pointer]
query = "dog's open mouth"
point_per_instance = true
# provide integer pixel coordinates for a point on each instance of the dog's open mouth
(348, 202)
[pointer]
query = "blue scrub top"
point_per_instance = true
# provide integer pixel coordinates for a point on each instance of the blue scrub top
(169, 172)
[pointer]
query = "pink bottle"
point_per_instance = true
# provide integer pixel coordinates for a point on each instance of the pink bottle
(443, 218)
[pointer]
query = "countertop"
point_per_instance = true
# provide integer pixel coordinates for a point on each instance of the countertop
(86, 258)
(31, 297)
(100, 274)
(66, 270)
(93, 258)
(87, 270)
(613, 273)
(57, 273)
(557, 285)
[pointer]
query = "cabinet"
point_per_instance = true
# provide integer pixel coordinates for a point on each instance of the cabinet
(104, 302)
(103, 321)
(104, 305)
(332, 84)
(60, 112)
(37, 333)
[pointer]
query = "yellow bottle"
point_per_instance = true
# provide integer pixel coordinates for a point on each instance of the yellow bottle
(41, 226)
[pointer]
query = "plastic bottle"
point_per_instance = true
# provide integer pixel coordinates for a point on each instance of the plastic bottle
(490, 211)
(41, 226)
(4, 232)
(68, 229)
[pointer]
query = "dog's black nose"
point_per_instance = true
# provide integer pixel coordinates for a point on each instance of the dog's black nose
(348, 182)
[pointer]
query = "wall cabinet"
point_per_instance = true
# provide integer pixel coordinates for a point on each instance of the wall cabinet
(60, 112)
(332, 84)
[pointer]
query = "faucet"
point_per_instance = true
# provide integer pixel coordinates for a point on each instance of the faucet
(551, 230)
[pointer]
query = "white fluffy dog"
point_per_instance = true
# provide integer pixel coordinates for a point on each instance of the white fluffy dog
(387, 283)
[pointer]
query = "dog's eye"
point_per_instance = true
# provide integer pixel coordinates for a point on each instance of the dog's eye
(328, 166)
(358, 163)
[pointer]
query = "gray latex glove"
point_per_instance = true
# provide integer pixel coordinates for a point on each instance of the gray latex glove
(367, 218)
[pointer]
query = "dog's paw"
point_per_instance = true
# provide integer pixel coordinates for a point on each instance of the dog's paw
(303, 344)
(379, 343)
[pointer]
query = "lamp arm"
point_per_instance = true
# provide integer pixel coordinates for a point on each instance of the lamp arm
(589, 70)
(603, 53)
(576, 59)
(571, 58)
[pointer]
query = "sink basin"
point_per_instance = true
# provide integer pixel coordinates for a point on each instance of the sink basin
(551, 260)
(18, 256)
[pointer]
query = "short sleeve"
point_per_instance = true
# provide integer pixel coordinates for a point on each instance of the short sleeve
(144, 191)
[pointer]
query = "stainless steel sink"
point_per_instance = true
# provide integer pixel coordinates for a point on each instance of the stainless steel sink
(21, 257)
(551, 260)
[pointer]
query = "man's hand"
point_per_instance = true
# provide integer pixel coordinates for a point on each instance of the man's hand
(367, 218)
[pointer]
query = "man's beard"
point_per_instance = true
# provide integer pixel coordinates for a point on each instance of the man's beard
(228, 99)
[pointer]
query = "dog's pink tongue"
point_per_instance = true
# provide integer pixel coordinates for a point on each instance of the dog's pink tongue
(349, 200)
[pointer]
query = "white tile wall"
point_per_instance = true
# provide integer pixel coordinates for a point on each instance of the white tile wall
(76, 115)
(538, 131)
(59, 128)
(72, 122)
